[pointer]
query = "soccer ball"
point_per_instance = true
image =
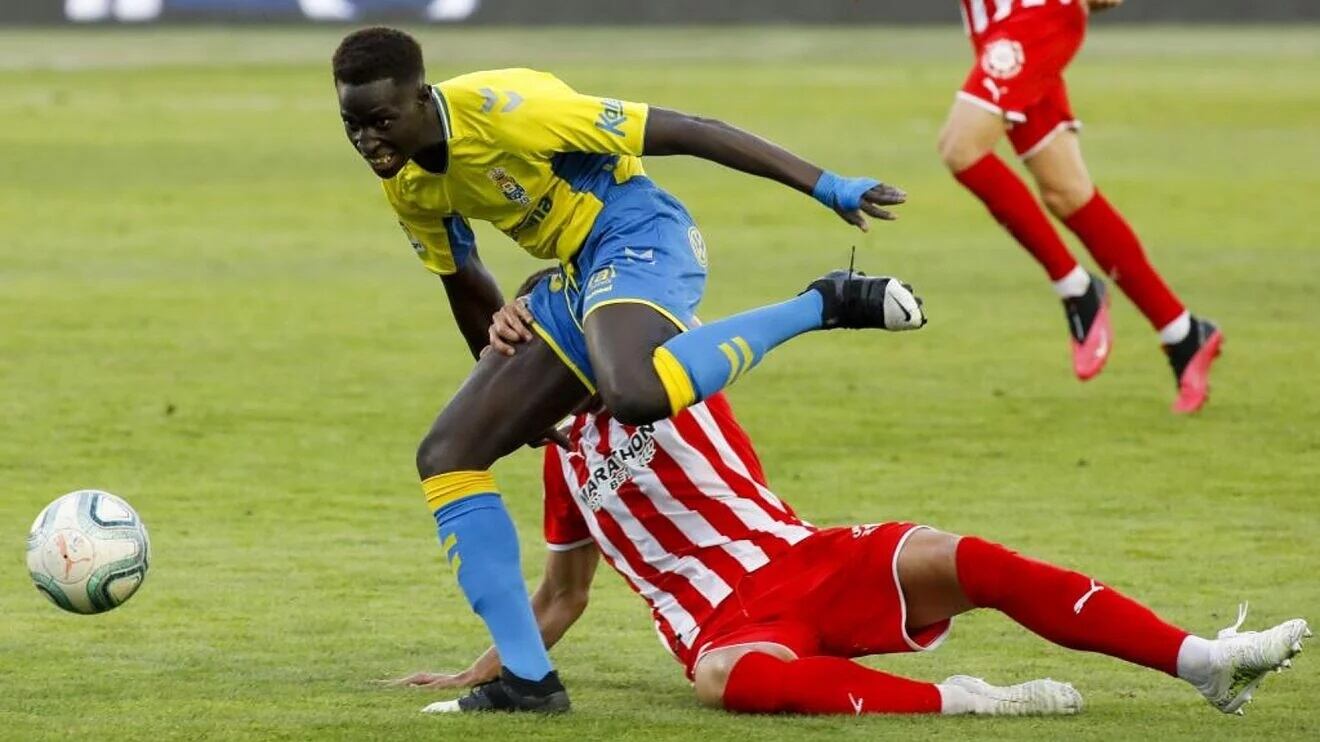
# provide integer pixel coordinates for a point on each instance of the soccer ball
(88, 551)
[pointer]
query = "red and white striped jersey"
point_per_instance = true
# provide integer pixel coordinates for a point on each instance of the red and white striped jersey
(679, 507)
(980, 16)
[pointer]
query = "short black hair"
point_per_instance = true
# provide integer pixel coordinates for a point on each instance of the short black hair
(378, 53)
(530, 282)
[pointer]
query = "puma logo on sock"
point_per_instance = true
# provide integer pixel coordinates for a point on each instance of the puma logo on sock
(1081, 602)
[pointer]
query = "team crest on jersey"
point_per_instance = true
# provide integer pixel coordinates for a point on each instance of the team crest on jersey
(698, 244)
(606, 479)
(417, 245)
(556, 282)
(511, 188)
(1003, 59)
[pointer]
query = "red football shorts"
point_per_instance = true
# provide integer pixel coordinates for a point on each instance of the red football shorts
(834, 594)
(1018, 74)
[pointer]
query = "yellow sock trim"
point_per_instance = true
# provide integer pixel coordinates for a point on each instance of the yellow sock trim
(735, 362)
(450, 547)
(442, 489)
(747, 351)
(674, 378)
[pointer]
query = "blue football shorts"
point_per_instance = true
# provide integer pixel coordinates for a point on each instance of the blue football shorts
(643, 249)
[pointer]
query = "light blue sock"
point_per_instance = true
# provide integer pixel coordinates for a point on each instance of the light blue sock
(480, 542)
(715, 355)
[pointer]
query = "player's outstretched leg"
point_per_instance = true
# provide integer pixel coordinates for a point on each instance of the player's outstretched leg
(763, 683)
(967, 148)
(698, 363)
(1075, 611)
(482, 423)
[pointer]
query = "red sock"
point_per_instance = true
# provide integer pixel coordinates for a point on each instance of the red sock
(763, 684)
(1012, 204)
(1116, 248)
(1067, 608)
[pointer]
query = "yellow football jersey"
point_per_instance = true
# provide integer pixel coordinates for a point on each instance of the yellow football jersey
(528, 154)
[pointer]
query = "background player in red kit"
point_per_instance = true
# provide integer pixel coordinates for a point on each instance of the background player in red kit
(1016, 87)
(765, 610)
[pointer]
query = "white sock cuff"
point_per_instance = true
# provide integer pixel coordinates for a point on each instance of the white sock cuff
(955, 700)
(1074, 284)
(1176, 331)
(1195, 659)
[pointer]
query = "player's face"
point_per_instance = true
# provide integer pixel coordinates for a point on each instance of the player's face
(387, 122)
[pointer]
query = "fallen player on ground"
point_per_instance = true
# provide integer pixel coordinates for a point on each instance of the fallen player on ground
(766, 611)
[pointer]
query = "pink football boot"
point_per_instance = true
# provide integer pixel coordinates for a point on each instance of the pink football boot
(1092, 334)
(1191, 360)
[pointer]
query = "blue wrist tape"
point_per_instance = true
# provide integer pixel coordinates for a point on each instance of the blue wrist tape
(840, 193)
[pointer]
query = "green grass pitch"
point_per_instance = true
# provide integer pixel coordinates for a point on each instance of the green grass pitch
(207, 308)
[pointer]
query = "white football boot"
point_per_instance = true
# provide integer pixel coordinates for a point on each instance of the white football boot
(1240, 660)
(1032, 698)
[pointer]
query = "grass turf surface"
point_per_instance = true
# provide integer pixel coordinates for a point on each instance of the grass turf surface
(207, 309)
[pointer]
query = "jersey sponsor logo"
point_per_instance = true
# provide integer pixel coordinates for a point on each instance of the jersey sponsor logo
(606, 479)
(417, 245)
(1002, 59)
(511, 188)
(698, 245)
(600, 282)
(612, 117)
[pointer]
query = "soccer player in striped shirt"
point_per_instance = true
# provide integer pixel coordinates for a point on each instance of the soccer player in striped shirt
(1016, 88)
(560, 173)
(766, 611)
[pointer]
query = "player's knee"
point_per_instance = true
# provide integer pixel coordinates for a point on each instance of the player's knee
(1064, 198)
(634, 404)
(430, 455)
(441, 451)
(957, 151)
(710, 679)
(944, 553)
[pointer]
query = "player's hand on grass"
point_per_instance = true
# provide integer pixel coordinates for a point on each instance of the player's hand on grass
(509, 326)
(465, 679)
(854, 199)
(1097, 6)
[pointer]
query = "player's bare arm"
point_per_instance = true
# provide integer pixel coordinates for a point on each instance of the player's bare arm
(474, 297)
(673, 133)
(559, 601)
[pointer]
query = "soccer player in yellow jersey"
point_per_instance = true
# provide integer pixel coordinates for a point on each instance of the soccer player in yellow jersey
(559, 173)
